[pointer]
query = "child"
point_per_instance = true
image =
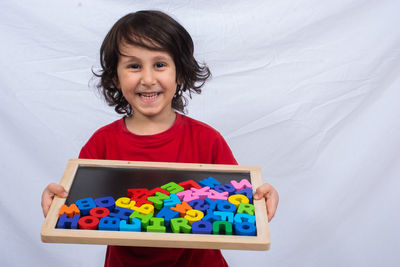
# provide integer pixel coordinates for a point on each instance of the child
(147, 63)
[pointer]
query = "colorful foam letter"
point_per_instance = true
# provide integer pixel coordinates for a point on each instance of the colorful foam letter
(109, 224)
(201, 193)
(225, 188)
(237, 199)
(189, 184)
(144, 218)
(88, 223)
(85, 205)
(125, 202)
(246, 208)
(173, 188)
(137, 192)
(245, 228)
(194, 215)
(215, 195)
(210, 182)
(172, 201)
(211, 218)
(158, 199)
(99, 212)
(156, 225)
(105, 202)
(244, 183)
(243, 217)
(68, 223)
(182, 208)
(222, 227)
(248, 192)
(186, 196)
(135, 226)
(180, 225)
(121, 213)
(69, 211)
(139, 195)
(225, 216)
(157, 189)
(199, 204)
(167, 214)
(202, 227)
(145, 209)
(226, 206)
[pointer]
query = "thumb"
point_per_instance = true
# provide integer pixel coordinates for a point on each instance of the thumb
(57, 190)
(262, 190)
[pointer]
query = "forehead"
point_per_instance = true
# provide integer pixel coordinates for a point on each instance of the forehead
(139, 51)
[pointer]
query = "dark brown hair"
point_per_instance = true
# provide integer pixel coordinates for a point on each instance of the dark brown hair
(153, 30)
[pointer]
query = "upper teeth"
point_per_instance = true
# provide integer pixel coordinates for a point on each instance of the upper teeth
(148, 94)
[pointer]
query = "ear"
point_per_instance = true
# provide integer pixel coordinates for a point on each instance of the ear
(179, 80)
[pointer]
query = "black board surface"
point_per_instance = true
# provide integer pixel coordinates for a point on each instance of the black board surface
(96, 182)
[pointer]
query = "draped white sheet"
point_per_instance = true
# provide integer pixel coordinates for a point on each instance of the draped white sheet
(305, 89)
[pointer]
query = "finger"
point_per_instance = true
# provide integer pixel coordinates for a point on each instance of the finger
(272, 204)
(262, 191)
(57, 190)
(48, 195)
(45, 208)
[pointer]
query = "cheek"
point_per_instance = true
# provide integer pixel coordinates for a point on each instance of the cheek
(128, 81)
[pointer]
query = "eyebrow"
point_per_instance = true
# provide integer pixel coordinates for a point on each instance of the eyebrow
(136, 58)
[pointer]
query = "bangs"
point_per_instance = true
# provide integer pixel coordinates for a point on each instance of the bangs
(145, 37)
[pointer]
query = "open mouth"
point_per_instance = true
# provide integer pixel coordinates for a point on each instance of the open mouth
(149, 96)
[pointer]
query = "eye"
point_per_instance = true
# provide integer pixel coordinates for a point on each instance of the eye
(134, 66)
(160, 65)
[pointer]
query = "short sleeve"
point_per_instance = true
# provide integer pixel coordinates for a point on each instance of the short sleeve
(93, 149)
(222, 154)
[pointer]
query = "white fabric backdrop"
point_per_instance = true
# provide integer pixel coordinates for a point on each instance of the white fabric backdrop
(305, 89)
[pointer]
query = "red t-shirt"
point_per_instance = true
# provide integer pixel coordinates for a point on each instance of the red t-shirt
(187, 141)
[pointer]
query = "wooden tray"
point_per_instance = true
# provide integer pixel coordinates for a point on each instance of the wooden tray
(98, 178)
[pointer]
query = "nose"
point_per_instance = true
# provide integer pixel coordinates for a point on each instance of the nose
(148, 77)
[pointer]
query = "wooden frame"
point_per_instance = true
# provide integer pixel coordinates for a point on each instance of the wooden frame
(51, 234)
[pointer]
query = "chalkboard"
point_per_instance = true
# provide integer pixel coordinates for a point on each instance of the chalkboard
(96, 182)
(100, 178)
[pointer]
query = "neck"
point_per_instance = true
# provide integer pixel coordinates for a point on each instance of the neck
(143, 125)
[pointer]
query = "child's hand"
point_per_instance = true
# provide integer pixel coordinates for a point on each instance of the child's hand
(271, 198)
(48, 194)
